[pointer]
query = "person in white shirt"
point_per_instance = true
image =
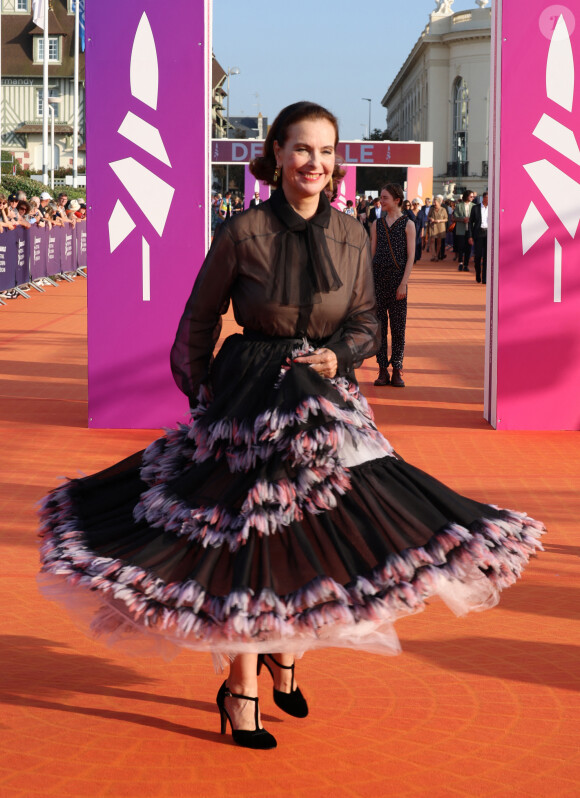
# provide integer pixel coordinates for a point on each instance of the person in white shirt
(375, 212)
(478, 222)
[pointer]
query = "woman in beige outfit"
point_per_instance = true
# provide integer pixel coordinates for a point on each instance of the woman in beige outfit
(438, 226)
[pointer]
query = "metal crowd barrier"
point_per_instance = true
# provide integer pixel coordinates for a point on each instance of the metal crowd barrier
(29, 257)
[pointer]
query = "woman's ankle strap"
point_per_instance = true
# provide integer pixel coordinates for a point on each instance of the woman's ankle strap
(228, 694)
(279, 664)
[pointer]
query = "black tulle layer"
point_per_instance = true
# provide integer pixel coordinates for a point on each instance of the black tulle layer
(277, 519)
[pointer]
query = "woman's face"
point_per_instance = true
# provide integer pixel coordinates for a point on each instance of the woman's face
(306, 158)
(388, 202)
(436, 203)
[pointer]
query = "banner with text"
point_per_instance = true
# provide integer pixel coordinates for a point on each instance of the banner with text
(21, 242)
(38, 238)
(7, 264)
(365, 153)
(29, 254)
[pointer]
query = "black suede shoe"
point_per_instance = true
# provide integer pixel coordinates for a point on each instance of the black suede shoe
(258, 738)
(293, 703)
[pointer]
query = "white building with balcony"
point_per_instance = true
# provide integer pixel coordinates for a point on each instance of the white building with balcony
(442, 92)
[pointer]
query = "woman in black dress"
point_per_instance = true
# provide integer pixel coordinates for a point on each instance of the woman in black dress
(279, 519)
(393, 252)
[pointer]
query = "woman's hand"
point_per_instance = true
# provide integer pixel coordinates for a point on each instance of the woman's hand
(402, 291)
(322, 361)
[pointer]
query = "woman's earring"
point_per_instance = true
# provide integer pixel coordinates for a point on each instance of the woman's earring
(277, 172)
(331, 185)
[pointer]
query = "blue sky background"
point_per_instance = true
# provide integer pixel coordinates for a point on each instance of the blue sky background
(332, 53)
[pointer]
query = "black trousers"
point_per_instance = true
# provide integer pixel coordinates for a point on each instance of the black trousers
(480, 257)
(463, 249)
(390, 312)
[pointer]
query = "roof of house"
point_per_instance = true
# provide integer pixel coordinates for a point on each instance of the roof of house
(248, 125)
(54, 27)
(18, 31)
(60, 129)
(217, 72)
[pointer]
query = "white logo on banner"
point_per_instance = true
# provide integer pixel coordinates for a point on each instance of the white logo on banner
(341, 199)
(152, 194)
(560, 190)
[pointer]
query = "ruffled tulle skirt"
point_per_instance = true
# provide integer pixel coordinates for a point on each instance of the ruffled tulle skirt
(278, 519)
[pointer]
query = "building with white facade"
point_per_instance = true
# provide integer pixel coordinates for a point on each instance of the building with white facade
(442, 92)
(21, 108)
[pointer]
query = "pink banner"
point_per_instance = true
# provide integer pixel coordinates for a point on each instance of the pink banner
(535, 297)
(419, 182)
(378, 153)
(251, 186)
(149, 194)
(346, 189)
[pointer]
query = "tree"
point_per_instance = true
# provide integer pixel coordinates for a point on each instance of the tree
(380, 135)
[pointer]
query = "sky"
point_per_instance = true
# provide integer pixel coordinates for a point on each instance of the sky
(333, 53)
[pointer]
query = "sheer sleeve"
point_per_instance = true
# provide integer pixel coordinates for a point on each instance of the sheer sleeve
(359, 334)
(200, 325)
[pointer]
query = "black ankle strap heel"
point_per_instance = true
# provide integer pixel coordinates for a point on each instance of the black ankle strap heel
(293, 703)
(258, 738)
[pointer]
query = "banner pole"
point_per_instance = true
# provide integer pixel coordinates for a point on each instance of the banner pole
(76, 97)
(45, 97)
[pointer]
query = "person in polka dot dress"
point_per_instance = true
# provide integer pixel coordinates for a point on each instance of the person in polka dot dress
(393, 250)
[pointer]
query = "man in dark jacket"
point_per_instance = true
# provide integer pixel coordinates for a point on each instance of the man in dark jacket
(477, 231)
(461, 216)
(375, 211)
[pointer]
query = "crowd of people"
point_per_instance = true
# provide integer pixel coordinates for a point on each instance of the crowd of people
(442, 225)
(17, 210)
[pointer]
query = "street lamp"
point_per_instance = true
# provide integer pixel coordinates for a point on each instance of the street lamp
(368, 99)
(231, 71)
(52, 100)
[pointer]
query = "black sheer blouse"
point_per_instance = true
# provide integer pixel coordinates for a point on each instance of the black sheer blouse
(241, 266)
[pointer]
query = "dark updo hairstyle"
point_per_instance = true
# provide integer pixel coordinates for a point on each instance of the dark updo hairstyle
(263, 167)
(395, 191)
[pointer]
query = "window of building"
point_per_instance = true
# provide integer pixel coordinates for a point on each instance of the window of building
(40, 104)
(460, 121)
(53, 49)
(16, 7)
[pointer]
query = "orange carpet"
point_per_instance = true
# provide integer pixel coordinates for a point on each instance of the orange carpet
(486, 705)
